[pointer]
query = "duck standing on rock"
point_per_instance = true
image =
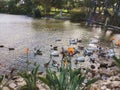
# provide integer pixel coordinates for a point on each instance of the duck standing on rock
(79, 40)
(55, 63)
(37, 52)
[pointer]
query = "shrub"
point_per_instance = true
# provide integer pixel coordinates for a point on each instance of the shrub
(78, 16)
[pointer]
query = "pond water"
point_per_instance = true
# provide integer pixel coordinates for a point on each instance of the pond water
(21, 32)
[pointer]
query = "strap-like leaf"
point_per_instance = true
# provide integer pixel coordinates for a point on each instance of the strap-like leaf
(91, 81)
(44, 80)
(117, 61)
(1, 78)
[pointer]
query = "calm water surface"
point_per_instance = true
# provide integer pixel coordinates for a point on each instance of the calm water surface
(22, 32)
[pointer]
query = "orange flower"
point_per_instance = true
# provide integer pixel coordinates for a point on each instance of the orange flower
(71, 50)
(27, 50)
(112, 38)
(117, 43)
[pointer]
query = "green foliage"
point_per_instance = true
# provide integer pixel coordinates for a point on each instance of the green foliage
(115, 20)
(1, 79)
(88, 3)
(30, 79)
(3, 6)
(117, 61)
(12, 6)
(28, 7)
(37, 13)
(78, 16)
(66, 79)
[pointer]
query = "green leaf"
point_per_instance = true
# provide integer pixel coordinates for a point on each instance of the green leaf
(74, 83)
(117, 61)
(44, 80)
(56, 80)
(1, 79)
(91, 81)
(81, 79)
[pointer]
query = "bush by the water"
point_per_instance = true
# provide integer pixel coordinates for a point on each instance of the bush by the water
(37, 13)
(78, 16)
(115, 20)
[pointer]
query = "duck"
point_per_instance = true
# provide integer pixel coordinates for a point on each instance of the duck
(73, 41)
(47, 64)
(54, 48)
(10, 49)
(58, 39)
(37, 52)
(55, 64)
(79, 41)
(1, 46)
(54, 53)
(40, 73)
(80, 59)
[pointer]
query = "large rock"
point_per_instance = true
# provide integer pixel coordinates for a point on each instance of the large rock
(19, 79)
(103, 87)
(21, 83)
(106, 82)
(94, 87)
(12, 86)
(115, 84)
(114, 78)
(5, 88)
(42, 87)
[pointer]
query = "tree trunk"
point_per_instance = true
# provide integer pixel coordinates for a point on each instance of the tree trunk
(60, 12)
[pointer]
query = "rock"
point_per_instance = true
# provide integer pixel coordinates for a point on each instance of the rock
(5, 88)
(54, 53)
(117, 78)
(58, 39)
(114, 78)
(94, 87)
(19, 80)
(80, 59)
(15, 78)
(21, 83)
(73, 41)
(12, 86)
(108, 89)
(42, 87)
(103, 88)
(108, 82)
(115, 84)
